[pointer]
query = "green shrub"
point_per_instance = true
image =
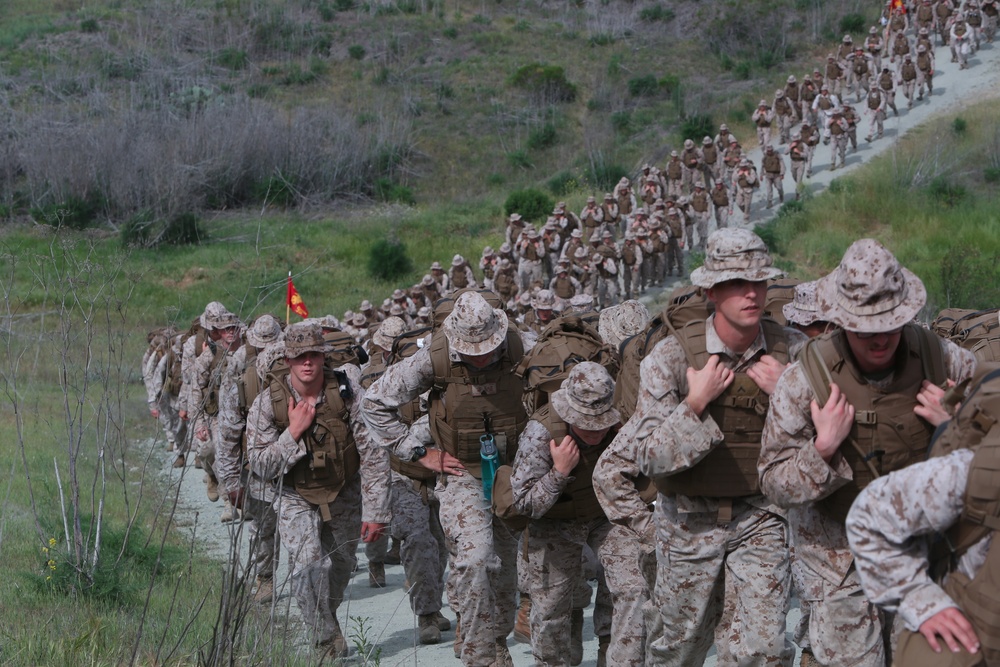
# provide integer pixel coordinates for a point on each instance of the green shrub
(276, 191)
(603, 175)
(643, 86)
(545, 81)
(231, 58)
(991, 174)
(408, 6)
(451, 32)
(543, 137)
(852, 23)
(532, 204)
(135, 233)
(382, 76)
(327, 12)
(344, 5)
(387, 260)
(655, 13)
(522, 26)
(621, 121)
(89, 25)
(519, 159)
(670, 84)
(74, 212)
(482, 19)
(697, 127)
(946, 192)
(562, 183)
(959, 125)
(602, 39)
(387, 189)
(742, 70)
(495, 179)
(183, 229)
(356, 51)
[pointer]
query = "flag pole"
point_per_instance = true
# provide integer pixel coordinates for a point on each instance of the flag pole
(288, 303)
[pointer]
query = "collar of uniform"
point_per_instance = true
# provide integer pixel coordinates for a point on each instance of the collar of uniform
(714, 345)
(297, 396)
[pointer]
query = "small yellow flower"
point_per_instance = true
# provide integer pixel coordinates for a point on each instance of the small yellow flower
(52, 541)
(45, 550)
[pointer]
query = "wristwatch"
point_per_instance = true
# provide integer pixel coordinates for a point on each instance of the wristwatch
(419, 452)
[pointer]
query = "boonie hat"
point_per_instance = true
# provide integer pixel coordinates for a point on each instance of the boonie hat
(870, 291)
(622, 321)
(387, 332)
(734, 254)
(803, 307)
(264, 331)
(474, 327)
(585, 398)
(304, 337)
(217, 316)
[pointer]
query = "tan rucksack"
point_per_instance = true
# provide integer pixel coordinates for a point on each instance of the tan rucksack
(975, 330)
(687, 304)
(779, 292)
(563, 344)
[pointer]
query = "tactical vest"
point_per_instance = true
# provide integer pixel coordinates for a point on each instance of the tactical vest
(699, 202)
(530, 252)
(925, 13)
(991, 10)
(674, 170)
(577, 502)
(248, 384)
(210, 398)
(975, 330)
(459, 278)
(943, 11)
(563, 287)
(466, 403)
(691, 159)
(924, 62)
(885, 82)
(782, 107)
(809, 93)
(720, 196)
(908, 72)
(732, 157)
(763, 120)
(960, 29)
(792, 92)
(825, 103)
(771, 163)
(835, 128)
(860, 66)
(710, 153)
(628, 254)
(610, 212)
(729, 470)
(897, 23)
(886, 434)
(625, 205)
(796, 152)
(900, 47)
(745, 181)
(874, 100)
(874, 45)
(974, 18)
(505, 283)
(332, 457)
(834, 71)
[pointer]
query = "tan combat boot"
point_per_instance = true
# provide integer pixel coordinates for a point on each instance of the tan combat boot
(428, 629)
(265, 591)
(229, 513)
(376, 575)
(180, 461)
(808, 659)
(212, 488)
(443, 623)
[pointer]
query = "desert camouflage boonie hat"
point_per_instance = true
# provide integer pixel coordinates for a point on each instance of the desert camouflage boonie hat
(544, 300)
(870, 291)
(622, 321)
(304, 337)
(387, 332)
(359, 320)
(586, 398)
(581, 303)
(217, 316)
(264, 331)
(329, 322)
(474, 327)
(803, 308)
(734, 254)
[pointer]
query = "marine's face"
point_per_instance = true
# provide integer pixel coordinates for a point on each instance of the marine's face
(874, 352)
(306, 367)
(740, 302)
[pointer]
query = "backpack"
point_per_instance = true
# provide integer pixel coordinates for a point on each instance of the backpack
(345, 350)
(563, 344)
(779, 292)
(444, 305)
(975, 330)
(687, 304)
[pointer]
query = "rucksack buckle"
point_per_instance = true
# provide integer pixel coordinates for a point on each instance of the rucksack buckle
(866, 417)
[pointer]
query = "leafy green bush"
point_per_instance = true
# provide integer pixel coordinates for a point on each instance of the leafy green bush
(543, 137)
(959, 125)
(327, 12)
(276, 191)
(183, 229)
(387, 189)
(451, 32)
(387, 260)
(74, 212)
(231, 58)
(655, 13)
(602, 39)
(621, 121)
(519, 159)
(562, 183)
(742, 70)
(852, 23)
(697, 127)
(643, 86)
(603, 175)
(90, 25)
(135, 232)
(545, 81)
(532, 204)
(356, 51)
(343, 5)
(946, 192)
(991, 174)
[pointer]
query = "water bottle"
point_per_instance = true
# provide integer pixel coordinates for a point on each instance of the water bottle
(491, 461)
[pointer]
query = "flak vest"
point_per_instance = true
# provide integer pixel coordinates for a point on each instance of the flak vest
(924, 63)
(699, 202)
(577, 502)
(860, 66)
(886, 434)
(908, 72)
(408, 414)
(710, 153)
(974, 18)
(729, 470)
(563, 287)
(825, 103)
(771, 163)
(625, 205)
(792, 92)
(690, 158)
(530, 252)
(459, 278)
(720, 196)
(763, 120)
(610, 212)
(674, 170)
(332, 457)
(628, 254)
(796, 152)
(210, 399)
(782, 107)
(248, 384)
(466, 403)
(874, 100)
(885, 82)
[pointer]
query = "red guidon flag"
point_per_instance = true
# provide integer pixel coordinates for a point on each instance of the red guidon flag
(294, 301)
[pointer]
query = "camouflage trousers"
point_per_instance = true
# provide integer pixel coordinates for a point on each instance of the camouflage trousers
(554, 567)
(265, 546)
(422, 551)
(321, 554)
(730, 581)
(174, 428)
(844, 627)
(482, 585)
(630, 570)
